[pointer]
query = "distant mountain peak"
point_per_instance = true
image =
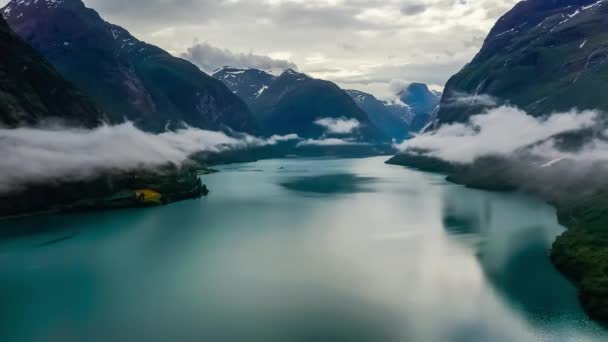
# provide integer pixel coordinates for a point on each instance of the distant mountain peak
(17, 4)
(249, 84)
(394, 120)
(294, 75)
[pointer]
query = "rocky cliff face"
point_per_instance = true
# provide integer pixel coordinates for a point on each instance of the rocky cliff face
(127, 77)
(31, 91)
(542, 56)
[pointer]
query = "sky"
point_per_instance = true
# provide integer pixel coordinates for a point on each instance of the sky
(376, 46)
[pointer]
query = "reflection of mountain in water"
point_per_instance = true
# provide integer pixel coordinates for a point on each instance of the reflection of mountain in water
(513, 252)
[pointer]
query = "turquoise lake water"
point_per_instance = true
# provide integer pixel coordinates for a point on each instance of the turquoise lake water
(295, 250)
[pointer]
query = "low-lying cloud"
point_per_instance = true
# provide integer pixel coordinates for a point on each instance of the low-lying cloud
(209, 58)
(340, 126)
(499, 132)
(467, 100)
(330, 142)
(41, 154)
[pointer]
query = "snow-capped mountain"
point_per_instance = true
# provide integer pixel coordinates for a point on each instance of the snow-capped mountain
(392, 118)
(542, 56)
(294, 102)
(125, 76)
(423, 103)
(248, 84)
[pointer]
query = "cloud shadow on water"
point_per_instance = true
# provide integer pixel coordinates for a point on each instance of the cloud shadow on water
(330, 184)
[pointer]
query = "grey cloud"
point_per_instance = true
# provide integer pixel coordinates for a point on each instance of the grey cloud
(413, 8)
(209, 58)
(356, 36)
(427, 73)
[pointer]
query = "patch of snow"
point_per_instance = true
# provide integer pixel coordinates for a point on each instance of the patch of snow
(503, 33)
(261, 91)
(553, 162)
(584, 8)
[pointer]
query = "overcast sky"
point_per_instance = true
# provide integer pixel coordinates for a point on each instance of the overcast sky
(370, 45)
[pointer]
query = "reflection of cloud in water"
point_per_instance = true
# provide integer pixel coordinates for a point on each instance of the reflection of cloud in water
(330, 184)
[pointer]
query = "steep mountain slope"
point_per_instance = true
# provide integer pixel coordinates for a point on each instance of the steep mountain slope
(127, 77)
(248, 84)
(542, 56)
(32, 91)
(393, 119)
(294, 102)
(422, 102)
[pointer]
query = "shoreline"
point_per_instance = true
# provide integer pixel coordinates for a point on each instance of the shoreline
(576, 253)
(107, 192)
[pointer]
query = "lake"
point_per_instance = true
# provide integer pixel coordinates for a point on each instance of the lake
(295, 250)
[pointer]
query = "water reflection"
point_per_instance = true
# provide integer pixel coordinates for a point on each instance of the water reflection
(332, 250)
(513, 251)
(330, 184)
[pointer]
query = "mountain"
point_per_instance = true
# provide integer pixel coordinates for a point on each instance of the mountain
(542, 56)
(127, 77)
(248, 84)
(32, 91)
(294, 103)
(423, 104)
(393, 119)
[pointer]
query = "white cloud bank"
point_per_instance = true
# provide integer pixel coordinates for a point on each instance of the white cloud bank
(38, 154)
(330, 142)
(340, 126)
(503, 131)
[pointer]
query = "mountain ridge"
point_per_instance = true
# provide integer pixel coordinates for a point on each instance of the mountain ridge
(293, 102)
(127, 77)
(32, 91)
(541, 56)
(392, 118)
